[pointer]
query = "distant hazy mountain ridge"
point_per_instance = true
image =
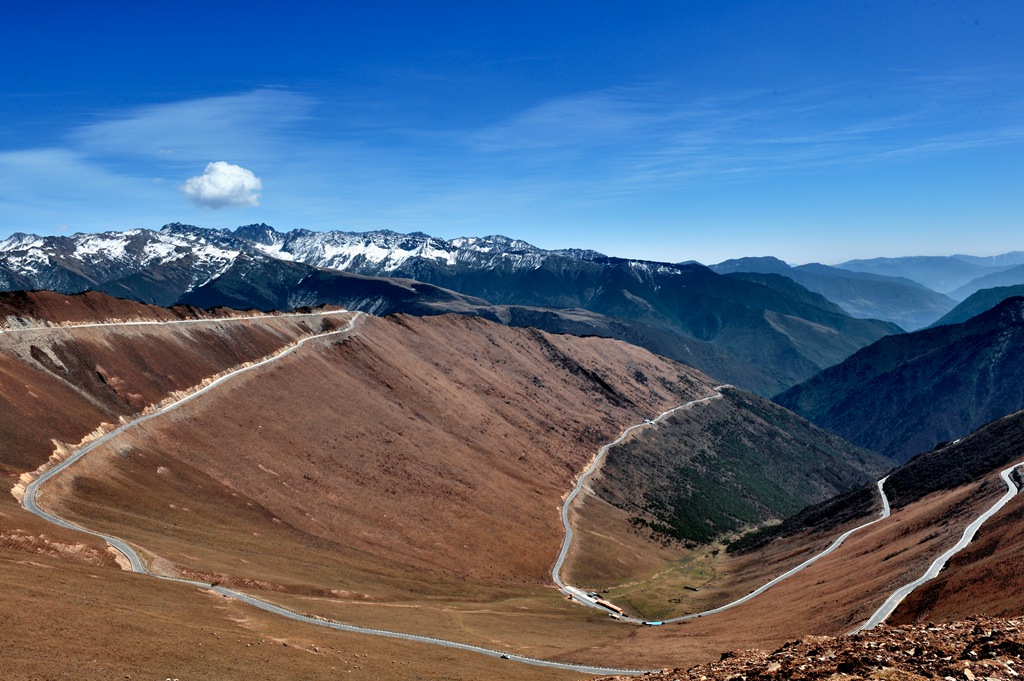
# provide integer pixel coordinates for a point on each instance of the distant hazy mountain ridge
(952, 274)
(867, 296)
(978, 302)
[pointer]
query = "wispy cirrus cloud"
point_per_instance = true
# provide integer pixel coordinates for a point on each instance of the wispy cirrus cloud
(131, 163)
(658, 133)
(225, 126)
(589, 120)
(43, 189)
(327, 165)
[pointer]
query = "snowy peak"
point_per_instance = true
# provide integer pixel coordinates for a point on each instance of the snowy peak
(69, 264)
(259, 234)
(190, 256)
(364, 253)
(96, 258)
(494, 244)
(20, 241)
(384, 252)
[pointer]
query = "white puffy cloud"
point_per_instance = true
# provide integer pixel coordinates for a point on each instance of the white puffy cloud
(223, 184)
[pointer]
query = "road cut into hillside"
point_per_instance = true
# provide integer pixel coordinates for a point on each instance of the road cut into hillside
(596, 663)
(579, 595)
(136, 563)
(897, 597)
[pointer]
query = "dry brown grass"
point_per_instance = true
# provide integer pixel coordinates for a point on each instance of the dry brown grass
(409, 478)
(831, 597)
(66, 620)
(320, 479)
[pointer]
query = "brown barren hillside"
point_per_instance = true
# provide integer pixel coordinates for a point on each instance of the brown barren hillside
(63, 382)
(407, 382)
(406, 475)
(63, 619)
(985, 578)
(988, 575)
(830, 598)
(21, 308)
(441, 444)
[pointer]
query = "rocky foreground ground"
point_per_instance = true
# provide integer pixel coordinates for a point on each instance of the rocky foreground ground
(974, 649)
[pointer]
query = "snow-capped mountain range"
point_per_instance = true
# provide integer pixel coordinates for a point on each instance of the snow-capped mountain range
(385, 252)
(98, 261)
(70, 264)
(765, 334)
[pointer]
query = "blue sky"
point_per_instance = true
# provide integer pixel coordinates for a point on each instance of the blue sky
(813, 131)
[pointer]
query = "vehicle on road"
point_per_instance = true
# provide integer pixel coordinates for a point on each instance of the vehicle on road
(605, 603)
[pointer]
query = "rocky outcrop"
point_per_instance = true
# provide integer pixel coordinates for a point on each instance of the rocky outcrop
(973, 649)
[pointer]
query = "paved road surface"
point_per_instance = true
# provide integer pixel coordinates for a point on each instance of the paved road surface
(149, 322)
(581, 596)
(139, 566)
(556, 571)
(933, 570)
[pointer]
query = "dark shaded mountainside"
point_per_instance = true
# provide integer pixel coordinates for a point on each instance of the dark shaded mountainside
(981, 454)
(905, 393)
(991, 448)
(867, 296)
(734, 462)
(266, 284)
(762, 337)
(777, 335)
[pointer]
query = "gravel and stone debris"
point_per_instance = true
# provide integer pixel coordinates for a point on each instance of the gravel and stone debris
(975, 649)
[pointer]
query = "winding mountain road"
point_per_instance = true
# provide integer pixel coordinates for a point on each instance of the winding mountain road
(138, 565)
(156, 322)
(879, 616)
(583, 598)
(29, 501)
(935, 568)
(556, 570)
(810, 561)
